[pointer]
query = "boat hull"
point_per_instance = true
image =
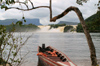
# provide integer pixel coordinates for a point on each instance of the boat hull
(50, 56)
(43, 61)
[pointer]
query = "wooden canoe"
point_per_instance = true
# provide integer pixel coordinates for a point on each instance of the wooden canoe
(49, 56)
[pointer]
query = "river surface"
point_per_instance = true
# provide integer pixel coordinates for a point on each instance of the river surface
(74, 45)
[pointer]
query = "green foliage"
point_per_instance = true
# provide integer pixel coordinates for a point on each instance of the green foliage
(93, 23)
(3, 6)
(98, 5)
(67, 28)
(2, 29)
(19, 27)
(9, 46)
(80, 2)
(23, 19)
(93, 18)
(5, 3)
(79, 28)
(4, 36)
(56, 25)
(19, 23)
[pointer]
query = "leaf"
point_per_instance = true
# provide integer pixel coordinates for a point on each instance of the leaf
(20, 42)
(19, 23)
(3, 6)
(24, 20)
(6, 2)
(23, 17)
(98, 7)
(15, 54)
(11, 59)
(12, 51)
(15, 46)
(6, 8)
(12, 1)
(97, 4)
(19, 61)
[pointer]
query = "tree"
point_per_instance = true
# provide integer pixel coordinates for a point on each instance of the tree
(10, 47)
(93, 23)
(67, 28)
(79, 14)
(89, 39)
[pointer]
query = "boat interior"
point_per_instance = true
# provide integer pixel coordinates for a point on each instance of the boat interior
(52, 54)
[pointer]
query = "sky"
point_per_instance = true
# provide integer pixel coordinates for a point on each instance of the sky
(58, 6)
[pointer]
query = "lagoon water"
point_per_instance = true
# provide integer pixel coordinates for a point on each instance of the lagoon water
(74, 45)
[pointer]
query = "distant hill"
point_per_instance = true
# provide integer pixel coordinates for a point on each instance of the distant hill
(7, 21)
(93, 23)
(68, 23)
(93, 17)
(33, 21)
(28, 21)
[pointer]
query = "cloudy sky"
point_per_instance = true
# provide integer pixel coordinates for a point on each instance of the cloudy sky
(58, 6)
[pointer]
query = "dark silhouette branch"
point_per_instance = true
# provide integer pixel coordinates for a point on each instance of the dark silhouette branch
(32, 8)
(89, 39)
(31, 3)
(63, 13)
(24, 4)
(28, 9)
(27, 6)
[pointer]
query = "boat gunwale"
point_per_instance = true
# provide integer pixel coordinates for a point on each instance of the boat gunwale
(68, 59)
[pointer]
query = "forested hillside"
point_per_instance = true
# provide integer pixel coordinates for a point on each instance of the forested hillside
(22, 28)
(68, 23)
(93, 23)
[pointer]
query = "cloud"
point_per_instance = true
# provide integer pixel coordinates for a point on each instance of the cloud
(1, 13)
(58, 6)
(12, 14)
(87, 9)
(40, 13)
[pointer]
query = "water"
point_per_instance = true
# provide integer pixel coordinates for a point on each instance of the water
(74, 45)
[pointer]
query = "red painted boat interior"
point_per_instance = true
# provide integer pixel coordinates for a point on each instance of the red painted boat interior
(54, 55)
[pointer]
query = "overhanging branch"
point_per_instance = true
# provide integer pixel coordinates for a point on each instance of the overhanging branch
(28, 8)
(31, 3)
(24, 4)
(63, 13)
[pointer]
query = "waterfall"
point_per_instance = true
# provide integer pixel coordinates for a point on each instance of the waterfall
(47, 29)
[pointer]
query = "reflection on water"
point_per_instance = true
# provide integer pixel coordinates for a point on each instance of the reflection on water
(74, 45)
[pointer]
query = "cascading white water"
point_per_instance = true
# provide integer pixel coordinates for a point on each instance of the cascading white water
(47, 29)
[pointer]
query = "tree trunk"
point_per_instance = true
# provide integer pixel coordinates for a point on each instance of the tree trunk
(89, 39)
(50, 7)
(0, 55)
